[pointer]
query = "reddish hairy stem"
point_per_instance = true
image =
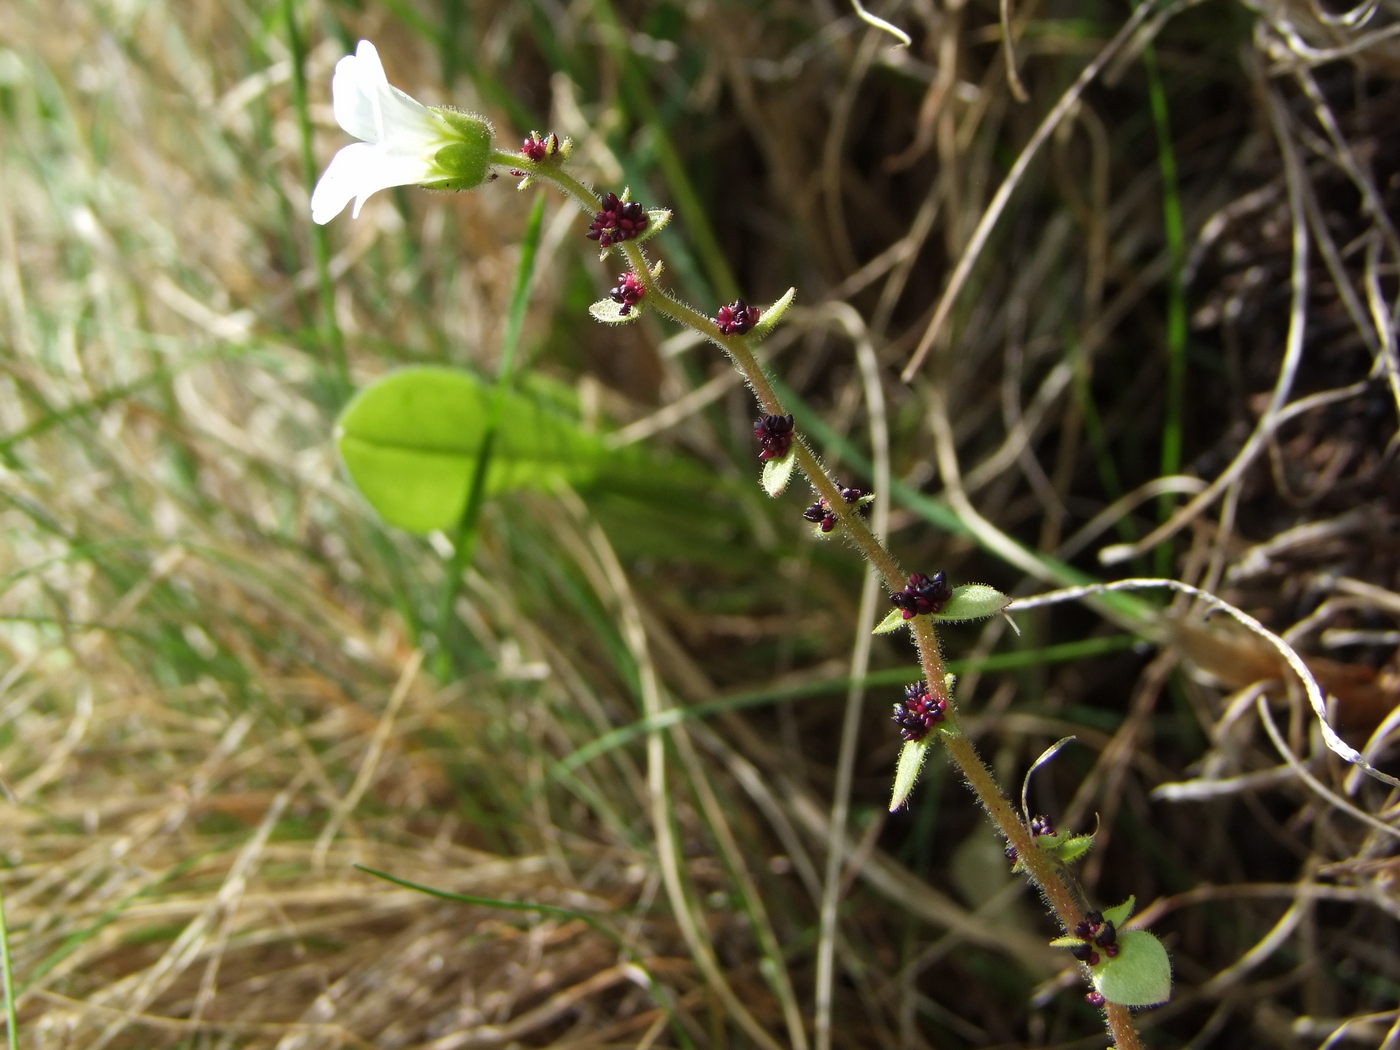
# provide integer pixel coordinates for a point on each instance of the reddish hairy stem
(1039, 865)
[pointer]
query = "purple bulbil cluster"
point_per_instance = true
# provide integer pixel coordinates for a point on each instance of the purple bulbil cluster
(736, 318)
(821, 514)
(618, 221)
(1041, 824)
(774, 433)
(537, 148)
(925, 594)
(919, 712)
(1094, 932)
(628, 293)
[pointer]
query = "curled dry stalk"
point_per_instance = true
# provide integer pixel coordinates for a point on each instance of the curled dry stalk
(1043, 868)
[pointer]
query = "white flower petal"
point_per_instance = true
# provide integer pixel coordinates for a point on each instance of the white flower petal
(409, 124)
(336, 185)
(358, 82)
(361, 169)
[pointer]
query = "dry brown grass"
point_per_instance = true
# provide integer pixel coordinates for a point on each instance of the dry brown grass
(214, 700)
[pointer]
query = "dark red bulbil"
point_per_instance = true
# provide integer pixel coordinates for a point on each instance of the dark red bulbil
(629, 292)
(919, 712)
(820, 512)
(1042, 825)
(1095, 932)
(1091, 924)
(774, 434)
(925, 594)
(618, 221)
(736, 318)
(537, 148)
(1107, 939)
(1095, 999)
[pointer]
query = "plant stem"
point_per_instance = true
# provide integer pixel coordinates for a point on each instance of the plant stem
(1040, 866)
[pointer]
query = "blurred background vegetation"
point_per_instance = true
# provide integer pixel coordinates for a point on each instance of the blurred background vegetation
(220, 683)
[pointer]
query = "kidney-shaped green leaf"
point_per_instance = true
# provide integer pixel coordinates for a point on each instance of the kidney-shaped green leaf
(1141, 975)
(411, 442)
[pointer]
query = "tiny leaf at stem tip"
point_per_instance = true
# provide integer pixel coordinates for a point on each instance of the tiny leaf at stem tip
(609, 312)
(777, 473)
(657, 220)
(1119, 915)
(769, 318)
(971, 601)
(911, 761)
(891, 623)
(1069, 848)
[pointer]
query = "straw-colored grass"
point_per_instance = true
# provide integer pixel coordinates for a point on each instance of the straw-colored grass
(221, 697)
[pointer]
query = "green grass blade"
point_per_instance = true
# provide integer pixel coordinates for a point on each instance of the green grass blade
(8, 978)
(1176, 295)
(320, 248)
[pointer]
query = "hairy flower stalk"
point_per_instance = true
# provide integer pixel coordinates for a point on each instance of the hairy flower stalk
(1041, 866)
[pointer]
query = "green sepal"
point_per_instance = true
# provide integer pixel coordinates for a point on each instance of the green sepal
(777, 473)
(1140, 974)
(971, 601)
(911, 761)
(464, 162)
(1119, 915)
(525, 183)
(768, 318)
(657, 220)
(1066, 942)
(609, 312)
(891, 623)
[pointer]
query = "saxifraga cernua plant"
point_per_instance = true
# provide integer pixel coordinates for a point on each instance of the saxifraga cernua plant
(402, 142)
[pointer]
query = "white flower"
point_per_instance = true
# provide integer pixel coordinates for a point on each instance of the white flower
(403, 142)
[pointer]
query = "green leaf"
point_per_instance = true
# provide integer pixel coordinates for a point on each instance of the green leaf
(972, 601)
(1141, 974)
(610, 312)
(769, 318)
(1119, 915)
(891, 623)
(776, 473)
(410, 443)
(657, 220)
(1071, 848)
(911, 760)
